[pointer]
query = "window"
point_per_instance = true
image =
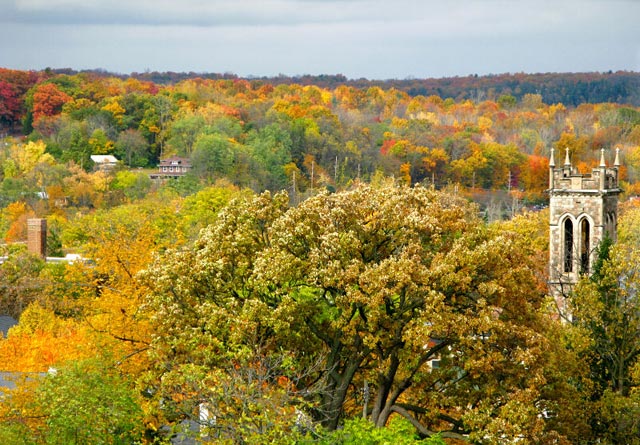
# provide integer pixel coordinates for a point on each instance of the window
(611, 225)
(568, 245)
(584, 246)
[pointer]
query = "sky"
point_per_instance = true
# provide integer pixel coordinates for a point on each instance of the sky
(373, 39)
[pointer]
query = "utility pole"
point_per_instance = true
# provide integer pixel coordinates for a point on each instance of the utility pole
(366, 393)
(294, 188)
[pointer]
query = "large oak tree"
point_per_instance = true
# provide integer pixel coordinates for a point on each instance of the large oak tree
(399, 299)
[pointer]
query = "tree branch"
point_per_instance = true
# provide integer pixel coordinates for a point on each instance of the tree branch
(423, 430)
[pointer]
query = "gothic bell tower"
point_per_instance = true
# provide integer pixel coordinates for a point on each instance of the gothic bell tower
(583, 209)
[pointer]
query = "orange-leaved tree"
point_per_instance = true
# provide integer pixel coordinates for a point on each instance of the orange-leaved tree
(48, 100)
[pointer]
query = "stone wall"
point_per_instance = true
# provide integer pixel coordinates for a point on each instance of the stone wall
(576, 197)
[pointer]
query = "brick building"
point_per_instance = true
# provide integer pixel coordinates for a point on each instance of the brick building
(37, 236)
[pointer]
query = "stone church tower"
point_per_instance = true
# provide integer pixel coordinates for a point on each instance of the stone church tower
(583, 209)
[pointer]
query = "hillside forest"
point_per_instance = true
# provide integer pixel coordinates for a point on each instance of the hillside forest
(342, 264)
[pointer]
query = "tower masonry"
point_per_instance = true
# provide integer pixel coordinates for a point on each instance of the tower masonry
(583, 210)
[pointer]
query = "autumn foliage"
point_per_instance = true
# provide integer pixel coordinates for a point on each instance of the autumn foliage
(48, 100)
(341, 250)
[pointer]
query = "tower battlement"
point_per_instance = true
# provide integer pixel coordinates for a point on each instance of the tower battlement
(567, 178)
(570, 179)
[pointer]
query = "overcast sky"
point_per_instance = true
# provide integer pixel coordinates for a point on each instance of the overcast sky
(376, 39)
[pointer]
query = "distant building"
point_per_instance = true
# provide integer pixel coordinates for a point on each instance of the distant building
(173, 167)
(104, 162)
(37, 236)
(37, 244)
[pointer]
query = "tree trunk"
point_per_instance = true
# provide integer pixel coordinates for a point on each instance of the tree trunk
(337, 393)
(384, 387)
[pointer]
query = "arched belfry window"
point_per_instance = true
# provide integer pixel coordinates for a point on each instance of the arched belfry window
(611, 225)
(568, 245)
(585, 247)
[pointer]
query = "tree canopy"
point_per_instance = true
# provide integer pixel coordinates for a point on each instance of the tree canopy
(344, 263)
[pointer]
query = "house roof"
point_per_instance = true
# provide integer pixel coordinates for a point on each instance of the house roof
(7, 380)
(6, 322)
(175, 160)
(104, 159)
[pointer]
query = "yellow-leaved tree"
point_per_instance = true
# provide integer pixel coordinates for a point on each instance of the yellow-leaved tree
(378, 301)
(27, 156)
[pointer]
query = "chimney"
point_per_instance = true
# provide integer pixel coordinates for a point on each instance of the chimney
(37, 236)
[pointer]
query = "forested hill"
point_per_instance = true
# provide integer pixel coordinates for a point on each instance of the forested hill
(265, 136)
(621, 87)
